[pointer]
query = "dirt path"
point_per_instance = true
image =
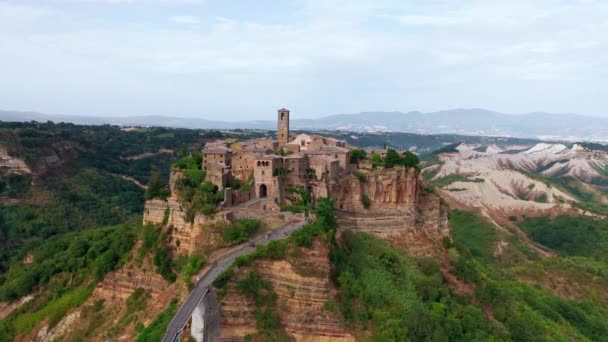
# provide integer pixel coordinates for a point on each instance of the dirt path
(131, 179)
(147, 154)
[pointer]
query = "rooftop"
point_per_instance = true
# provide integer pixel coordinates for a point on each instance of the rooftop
(217, 149)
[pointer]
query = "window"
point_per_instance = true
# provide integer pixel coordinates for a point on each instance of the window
(282, 116)
(263, 172)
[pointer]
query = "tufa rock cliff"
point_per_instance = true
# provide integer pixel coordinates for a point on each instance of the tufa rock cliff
(396, 203)
(303, 287)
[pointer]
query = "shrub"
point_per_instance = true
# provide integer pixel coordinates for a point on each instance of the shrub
(156, 330)
(367, 203)
(240, 231)
(156, 189)
(166, 215)
(357, 155)
(360, 175)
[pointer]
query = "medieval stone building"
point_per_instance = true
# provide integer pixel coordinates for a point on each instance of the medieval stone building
(270, 167)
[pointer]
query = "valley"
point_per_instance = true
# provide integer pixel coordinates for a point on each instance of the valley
(485, 238)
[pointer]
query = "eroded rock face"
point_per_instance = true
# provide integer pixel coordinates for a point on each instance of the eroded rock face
(62, 153)
(120, 284)
(396, 203)
(387, 189)
(302, 286)
(12, 164)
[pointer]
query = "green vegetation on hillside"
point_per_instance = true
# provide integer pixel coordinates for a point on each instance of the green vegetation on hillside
(264, 298)
(66, 266)
(403, 298)
(197, 195)
(239, 231)
(570, 236)
(156, 330)
(300, 198)
(588, 200)
(155, 240)
(95, 251)
(80, 200)
(528, 313)
(14, 185)
(449, 179)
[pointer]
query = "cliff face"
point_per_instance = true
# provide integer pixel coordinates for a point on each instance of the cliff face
(394, 188)
(302, 285)
(117, 286)
(396, 203)
(12, 164)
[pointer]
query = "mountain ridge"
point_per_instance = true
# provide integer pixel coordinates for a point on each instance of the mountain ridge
(474, 121)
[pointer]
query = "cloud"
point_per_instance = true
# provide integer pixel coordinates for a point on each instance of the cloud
(430, 20)
(185, 19)
(143, 2)
(316, 56)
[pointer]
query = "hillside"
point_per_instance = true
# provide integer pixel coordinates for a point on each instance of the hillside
(494, 238)
(71, 200)
(535, 179)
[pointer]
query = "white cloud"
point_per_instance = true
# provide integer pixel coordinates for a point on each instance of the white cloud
(320, 57)
(185, 19)
(413, 19)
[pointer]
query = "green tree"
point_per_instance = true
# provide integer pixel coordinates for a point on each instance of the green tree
(410, 159)
(357, 155)
(376, 159)
(156, 189)
(392, 158)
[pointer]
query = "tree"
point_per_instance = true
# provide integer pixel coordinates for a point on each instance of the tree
(410, 159)
(376, 159)
(392, 158)
(156, 189)
(357, 155)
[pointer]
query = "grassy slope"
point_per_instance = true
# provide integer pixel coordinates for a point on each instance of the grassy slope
(529, 313)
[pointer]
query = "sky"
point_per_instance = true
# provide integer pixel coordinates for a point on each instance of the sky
(241, 60)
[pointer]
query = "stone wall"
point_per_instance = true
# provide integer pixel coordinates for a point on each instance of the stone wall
(235, 197)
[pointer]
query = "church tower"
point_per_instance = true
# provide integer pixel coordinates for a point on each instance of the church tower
(283, 127)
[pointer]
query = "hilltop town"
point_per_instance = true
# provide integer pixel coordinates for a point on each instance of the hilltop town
(308, 161)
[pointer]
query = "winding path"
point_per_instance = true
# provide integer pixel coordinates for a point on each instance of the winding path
(182, 316)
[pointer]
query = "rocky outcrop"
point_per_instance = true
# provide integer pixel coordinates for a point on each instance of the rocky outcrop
(302, 285)
(386, 189)
(395, 203)
(62, 152)
(12, 164)
(120, 284)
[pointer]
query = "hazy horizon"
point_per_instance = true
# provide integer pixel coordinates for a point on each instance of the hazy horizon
(295, 116)
(242, 60)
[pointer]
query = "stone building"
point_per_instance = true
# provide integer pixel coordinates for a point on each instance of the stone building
(283, 127)
(271, 167)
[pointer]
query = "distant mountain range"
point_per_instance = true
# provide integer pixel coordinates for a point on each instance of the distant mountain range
(480, 122)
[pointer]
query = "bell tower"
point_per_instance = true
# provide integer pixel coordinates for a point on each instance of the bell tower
(283, 126)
